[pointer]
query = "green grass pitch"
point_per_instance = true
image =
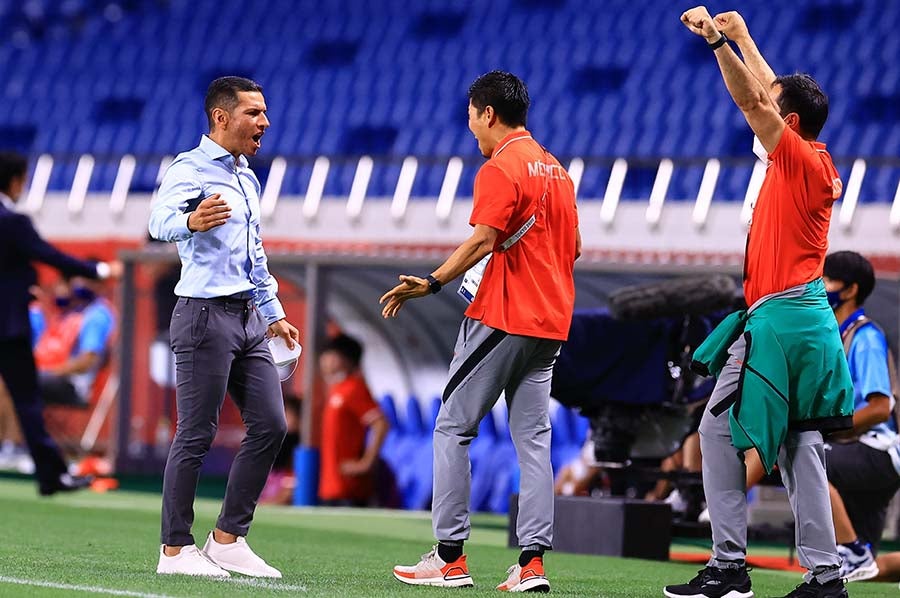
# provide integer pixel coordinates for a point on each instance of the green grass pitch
(88, 544)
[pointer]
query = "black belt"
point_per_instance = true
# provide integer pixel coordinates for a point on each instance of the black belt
(238, 299)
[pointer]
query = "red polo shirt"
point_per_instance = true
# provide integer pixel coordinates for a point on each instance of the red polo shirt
(529, 289)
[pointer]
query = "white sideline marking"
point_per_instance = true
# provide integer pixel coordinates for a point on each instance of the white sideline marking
(263, 584)
(76, 588)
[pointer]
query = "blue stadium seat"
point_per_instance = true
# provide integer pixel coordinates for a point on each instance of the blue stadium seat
(433, 413)
(389, 79)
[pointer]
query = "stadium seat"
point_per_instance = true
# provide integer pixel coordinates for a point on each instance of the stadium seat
(334, 75)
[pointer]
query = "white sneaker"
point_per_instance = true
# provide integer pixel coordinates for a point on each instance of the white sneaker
(239, 558)
(431, 570)
(190, 561)
(857, 568)
(676, 501)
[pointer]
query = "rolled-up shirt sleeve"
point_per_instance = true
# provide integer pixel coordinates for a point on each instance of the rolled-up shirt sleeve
(168, 220)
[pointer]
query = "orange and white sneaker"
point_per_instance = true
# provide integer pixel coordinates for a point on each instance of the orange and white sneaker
(529, 578)
(433, 571)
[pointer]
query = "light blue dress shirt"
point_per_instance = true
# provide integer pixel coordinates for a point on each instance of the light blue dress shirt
(225, 260)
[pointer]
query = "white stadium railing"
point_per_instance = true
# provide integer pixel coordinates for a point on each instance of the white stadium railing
(118, 197)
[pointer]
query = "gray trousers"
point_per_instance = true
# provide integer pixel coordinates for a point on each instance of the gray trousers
(486, 363)
(801, 461)
(219, 345)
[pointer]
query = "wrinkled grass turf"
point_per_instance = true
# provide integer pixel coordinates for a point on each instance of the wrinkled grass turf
(110, 542)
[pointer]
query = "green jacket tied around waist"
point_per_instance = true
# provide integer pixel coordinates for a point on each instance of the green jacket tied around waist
(794, 375)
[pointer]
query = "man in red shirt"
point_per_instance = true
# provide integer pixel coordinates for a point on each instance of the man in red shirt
(524, 217)
(783, 283)
(347, 461)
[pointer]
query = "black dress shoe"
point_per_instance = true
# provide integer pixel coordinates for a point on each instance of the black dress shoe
(65, 483)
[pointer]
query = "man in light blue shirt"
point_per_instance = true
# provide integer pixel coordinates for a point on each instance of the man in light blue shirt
(863, 464)
(208, 204)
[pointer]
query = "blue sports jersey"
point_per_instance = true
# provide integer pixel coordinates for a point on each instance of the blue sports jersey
(868, 361)
(97, 326)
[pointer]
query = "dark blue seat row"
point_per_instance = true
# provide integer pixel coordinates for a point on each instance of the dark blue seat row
(389, 78)
(495, 471)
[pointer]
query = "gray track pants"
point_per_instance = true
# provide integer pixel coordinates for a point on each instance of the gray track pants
(801, 461)
(487, 362)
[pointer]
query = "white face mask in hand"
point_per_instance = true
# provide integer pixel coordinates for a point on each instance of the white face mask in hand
(760, 151)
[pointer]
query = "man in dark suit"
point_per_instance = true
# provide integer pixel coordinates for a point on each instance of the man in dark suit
(20, 245)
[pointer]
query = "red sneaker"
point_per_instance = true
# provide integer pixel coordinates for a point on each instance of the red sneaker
(529, 578)
(433, 571)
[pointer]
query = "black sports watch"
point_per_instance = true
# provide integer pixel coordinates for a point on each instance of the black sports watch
(718, 43)
(433, 284)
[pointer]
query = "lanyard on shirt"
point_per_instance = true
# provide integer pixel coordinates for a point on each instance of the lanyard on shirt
(516, 236)
(472, 278)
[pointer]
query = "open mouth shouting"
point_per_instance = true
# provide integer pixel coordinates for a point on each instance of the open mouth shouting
(256, 139)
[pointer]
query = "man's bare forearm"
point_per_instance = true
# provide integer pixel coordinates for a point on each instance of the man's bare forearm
(379, 429)
(79, 364)
(755, 61)
(746, 90)
(464, 257)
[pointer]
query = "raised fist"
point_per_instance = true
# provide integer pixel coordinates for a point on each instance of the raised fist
(732, 24)
(699, 22)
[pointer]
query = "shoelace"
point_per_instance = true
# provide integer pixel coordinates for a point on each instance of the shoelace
(430, 557)
(712, 574)
(709, 574)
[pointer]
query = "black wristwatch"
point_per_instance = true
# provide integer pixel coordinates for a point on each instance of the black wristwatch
(718, 43)
(433, 284)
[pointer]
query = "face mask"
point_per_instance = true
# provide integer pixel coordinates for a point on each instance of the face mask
(63, 302)
(83, 294)
(760, 151)
(834, 298)
(335, 378)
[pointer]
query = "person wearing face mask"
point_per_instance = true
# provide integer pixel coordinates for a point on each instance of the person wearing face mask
(863, 464)
(73, 345)
(782, 377)
(350, 415)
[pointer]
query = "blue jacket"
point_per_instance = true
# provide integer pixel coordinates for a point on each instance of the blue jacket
(20, 245)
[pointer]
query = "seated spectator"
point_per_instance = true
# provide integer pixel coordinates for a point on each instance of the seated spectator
(580, 476)
(279, 489)
(74, 343)
(863, 464)
(348, 462)
(685, 498)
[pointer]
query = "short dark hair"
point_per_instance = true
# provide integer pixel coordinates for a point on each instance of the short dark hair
(850, 267)
(12, 165)
(505, 93)
(222, 93)
(801, 94)
(346, 346)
